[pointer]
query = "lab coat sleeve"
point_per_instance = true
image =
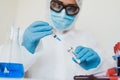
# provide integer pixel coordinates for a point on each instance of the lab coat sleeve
(29, 59)
(106, 62)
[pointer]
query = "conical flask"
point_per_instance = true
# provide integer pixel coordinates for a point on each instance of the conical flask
(11, 58)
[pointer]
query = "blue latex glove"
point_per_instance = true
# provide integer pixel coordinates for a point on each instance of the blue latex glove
(34, 33)
(89, 59)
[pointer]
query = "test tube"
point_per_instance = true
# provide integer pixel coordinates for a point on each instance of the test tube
(91, 77)
(118, 63)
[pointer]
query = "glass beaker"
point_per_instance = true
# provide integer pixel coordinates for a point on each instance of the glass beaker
(11, 58)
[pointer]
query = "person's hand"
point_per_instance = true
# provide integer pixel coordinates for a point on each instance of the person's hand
(117, 47)
(34, 33)
(89, 59)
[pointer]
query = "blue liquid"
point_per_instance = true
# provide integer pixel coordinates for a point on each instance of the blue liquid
(14, 70)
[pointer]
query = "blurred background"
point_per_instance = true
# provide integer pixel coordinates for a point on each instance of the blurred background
(100, 17)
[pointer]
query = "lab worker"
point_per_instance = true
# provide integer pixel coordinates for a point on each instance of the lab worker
(46, 45)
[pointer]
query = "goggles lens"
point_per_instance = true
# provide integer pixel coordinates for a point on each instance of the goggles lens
(72, 9)
(58, 6)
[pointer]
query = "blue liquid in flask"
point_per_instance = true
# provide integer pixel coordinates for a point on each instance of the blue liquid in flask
(11, 70)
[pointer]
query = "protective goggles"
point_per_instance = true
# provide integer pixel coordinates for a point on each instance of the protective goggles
(58, 6)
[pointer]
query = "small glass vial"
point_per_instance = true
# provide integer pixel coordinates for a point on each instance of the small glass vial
(75, 59)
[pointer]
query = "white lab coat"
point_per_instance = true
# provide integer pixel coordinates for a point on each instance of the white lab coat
(51, 60)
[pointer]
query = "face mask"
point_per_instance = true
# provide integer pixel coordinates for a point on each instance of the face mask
(61, 20)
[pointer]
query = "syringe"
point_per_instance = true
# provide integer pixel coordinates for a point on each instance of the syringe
(70, 50)
(118, 63)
